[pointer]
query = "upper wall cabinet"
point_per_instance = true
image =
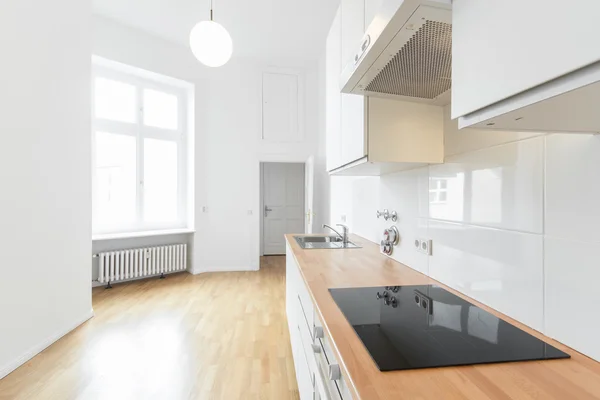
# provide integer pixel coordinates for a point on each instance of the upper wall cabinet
(526, 65)
(353, 28)
(333, 99)
(371, 7)
(345, 122)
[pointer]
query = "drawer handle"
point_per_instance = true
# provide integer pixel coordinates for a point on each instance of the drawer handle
(316, 348)
(334, 372)
(318, 332)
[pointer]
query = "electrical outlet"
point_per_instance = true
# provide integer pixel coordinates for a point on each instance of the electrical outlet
(418, 244)
(423, 246)
(343, 218)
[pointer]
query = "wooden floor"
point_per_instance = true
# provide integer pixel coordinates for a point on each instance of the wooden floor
(209, 336)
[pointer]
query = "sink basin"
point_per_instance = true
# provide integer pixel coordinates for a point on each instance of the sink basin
(318, 239)
(323, 242)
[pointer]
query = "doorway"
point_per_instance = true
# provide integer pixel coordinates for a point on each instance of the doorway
(283, 200)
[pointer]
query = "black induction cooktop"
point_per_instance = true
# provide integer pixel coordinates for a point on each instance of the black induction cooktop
(411, 327)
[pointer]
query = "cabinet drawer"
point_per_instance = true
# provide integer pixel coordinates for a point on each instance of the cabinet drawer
(307, 342)
(305, 378)
(327, 359)
(304, 297)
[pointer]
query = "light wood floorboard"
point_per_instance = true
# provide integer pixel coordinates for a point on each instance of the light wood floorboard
(210, 336)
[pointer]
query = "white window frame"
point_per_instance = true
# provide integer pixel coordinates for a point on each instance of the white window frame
(437, 190)
(138, 130)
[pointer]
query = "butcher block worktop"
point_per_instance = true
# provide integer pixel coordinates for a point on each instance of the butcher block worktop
(575, 378)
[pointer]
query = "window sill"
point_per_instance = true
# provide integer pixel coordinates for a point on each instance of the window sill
(129, 235)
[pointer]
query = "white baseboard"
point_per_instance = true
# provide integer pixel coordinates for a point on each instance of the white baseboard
(224, 269)
(35, 350)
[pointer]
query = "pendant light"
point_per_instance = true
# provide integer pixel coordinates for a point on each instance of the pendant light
(210, 42)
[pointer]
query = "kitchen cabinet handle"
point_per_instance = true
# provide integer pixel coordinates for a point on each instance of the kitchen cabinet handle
(318, 332)
(334, 372)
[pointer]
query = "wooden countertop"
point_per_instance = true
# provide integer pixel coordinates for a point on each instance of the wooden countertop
(575, 378)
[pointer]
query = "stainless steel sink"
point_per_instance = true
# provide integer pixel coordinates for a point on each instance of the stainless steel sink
(323, 242)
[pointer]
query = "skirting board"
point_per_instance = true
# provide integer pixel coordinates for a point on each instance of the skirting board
(35, 350)
(224, 269)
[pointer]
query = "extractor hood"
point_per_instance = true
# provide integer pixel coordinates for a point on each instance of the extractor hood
(406, 53)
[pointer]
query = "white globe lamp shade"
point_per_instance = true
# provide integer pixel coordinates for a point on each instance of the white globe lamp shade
(211, 43)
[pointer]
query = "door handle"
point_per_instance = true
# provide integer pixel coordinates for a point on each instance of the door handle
(267, 209)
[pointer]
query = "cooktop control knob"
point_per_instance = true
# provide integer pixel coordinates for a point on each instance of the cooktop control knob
(393, 235)
(386, 247)
(334, 372)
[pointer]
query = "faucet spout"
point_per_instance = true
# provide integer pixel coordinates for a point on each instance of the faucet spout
(343, 236)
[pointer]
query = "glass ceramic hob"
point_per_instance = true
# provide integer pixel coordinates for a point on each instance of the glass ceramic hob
(411, 327)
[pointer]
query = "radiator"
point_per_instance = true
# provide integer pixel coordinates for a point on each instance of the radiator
(121, 265)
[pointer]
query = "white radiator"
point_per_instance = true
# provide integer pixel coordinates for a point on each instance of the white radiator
(135, 263)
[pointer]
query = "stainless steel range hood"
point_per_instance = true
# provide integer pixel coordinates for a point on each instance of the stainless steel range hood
(406, 53)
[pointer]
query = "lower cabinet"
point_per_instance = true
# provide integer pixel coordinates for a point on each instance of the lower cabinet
(317, 371)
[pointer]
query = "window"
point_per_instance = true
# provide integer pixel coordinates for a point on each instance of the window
(139, 152)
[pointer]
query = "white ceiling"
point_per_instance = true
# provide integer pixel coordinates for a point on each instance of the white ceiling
(259, 28)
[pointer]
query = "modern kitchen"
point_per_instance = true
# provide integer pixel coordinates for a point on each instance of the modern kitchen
(466, 147)
(300, 199)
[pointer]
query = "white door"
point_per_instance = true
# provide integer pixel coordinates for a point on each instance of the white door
(283, 204)
(309, 183)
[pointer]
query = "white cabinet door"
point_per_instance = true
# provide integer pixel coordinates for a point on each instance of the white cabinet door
(291, 295)
(333, 97)
(502, 48)
(371, 7)
(305, 384)
(353, 28)
(353, 135)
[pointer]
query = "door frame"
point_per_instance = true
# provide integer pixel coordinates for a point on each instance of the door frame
(261, 202)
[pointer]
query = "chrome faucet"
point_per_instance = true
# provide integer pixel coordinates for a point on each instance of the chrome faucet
(343, 236)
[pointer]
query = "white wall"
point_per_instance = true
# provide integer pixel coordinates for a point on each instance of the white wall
(518, 231)
(228, 138)
(45, 163)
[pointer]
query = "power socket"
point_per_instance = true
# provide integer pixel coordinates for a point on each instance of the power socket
(423, 246)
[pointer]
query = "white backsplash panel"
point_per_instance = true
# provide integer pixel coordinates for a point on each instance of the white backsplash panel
(407, 194)
(572, 189)
(365, 200)
(500, 268)
(572, 296)
(500, 187)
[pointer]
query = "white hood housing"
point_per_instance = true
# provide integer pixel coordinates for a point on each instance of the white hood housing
(406, 53)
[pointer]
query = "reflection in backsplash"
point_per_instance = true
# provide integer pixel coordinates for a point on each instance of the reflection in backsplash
(474, 196)
(446, 197)
(486, 195)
